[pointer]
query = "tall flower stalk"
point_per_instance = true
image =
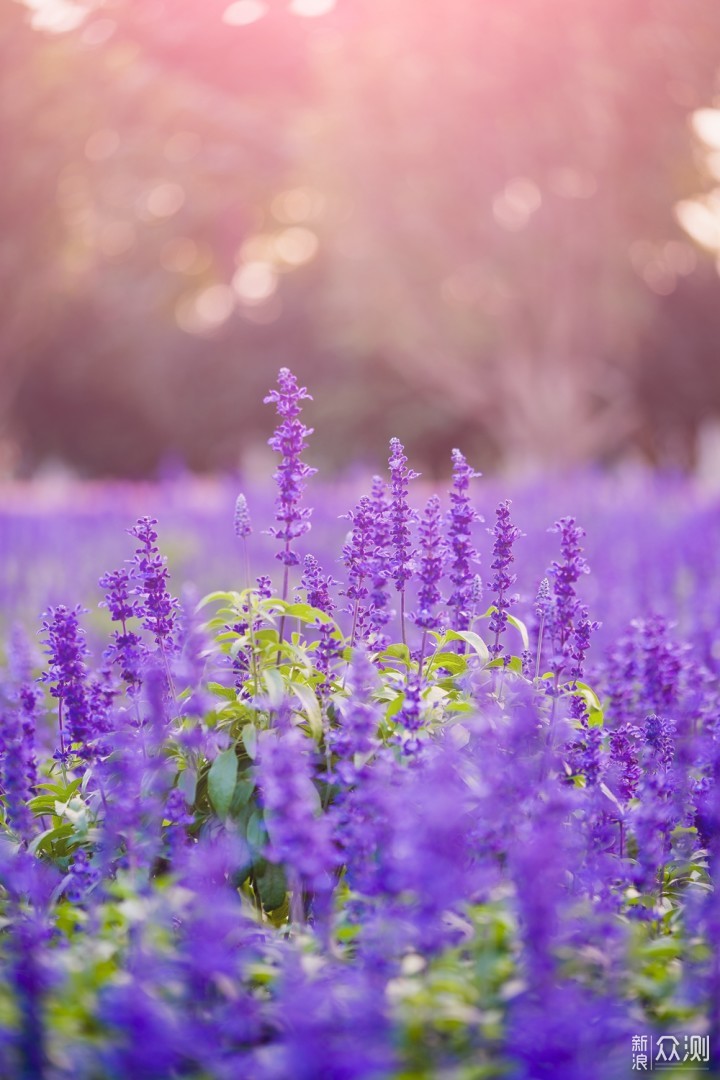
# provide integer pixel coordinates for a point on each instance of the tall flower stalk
(505, 534)
(157, 607)
(433, 553)
(243, 528)
(463, 557)
(401, 517)
(67, 672)
(289, 440)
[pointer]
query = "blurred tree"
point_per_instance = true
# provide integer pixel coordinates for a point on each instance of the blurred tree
(455, 220)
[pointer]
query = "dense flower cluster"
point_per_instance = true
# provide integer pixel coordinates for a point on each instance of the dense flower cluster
(285, 843)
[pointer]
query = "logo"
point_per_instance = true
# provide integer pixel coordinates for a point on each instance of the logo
(655, 1053)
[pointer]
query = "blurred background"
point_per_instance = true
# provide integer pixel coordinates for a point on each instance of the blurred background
(490, 225)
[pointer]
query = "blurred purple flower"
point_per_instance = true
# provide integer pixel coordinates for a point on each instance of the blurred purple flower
(241, 520)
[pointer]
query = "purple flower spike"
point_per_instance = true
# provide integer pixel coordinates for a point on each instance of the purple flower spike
(17, 767)
(566, 573)
(357, 556)
(432, 563)
(126, 649)
(401, 517)
(289, 441)
(157, 606)
(379, 614)
(241, 520)
(461, 517)
(264, 587)
(317, 587)
(505, 534)
(65, 641)
(299, 834)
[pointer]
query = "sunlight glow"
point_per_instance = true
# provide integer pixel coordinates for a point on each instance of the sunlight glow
(102, 144)
(297, 205)
(165, 199)
(700, 218)
(516, 203)
(244, 12)
(706, 125)
(205, 311)
(255, 282)
(55, 16)
(310, 9)
(296, 245)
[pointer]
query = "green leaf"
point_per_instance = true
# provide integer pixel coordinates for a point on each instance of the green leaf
(249, 739)
(255, 833)
(311, 708)
(511, 663)
(221, 781)
(229, 693)
(396, 652)
(213, 597)
(304, 612)
(473, 640)
(46, 840)
(589, 696)
(522, 629)
(241, 796)
(272, 886)
(187, 783)
(452, 662)
(275, 686)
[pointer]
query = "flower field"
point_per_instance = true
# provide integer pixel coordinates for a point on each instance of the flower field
(360, 782)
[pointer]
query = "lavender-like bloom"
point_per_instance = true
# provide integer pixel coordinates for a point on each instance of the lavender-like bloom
(158, 607)
(379, 614)
(126, 649)
(356, 554)
(17, 768)
(358, 716)
(241, 519)
(401, 517)
(289, 442)
(317, 586)
(660, 739)
(585, 752)
(82, 879)
(299, 834)
(624, 759)
(505, 534)
(264, 587)
(566, 573)
(65, 641)
(329, 649)
(579, 646)
(410, 716)
(460, 519)
(433, 552)
(178, 817)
